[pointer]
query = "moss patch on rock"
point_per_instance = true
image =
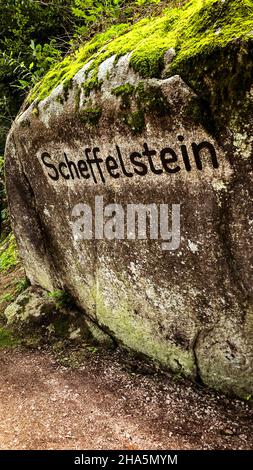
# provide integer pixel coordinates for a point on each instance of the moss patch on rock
(151, 100)
(125, 92)
(91, 84)
(196, 30)
(41, 318)
(90, 115)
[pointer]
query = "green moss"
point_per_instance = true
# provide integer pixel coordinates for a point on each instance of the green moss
(74, 62)
(21, 285)
(198, 110)
(125, 92)
(1, 163)
(90, 115)
(99, 335)
(10, 296)
(148, 99)
(25, 123)
(6, 339)
(135, 120)
(67, 85)
(8, 254)
(151, 100)
(91, 84)
(60, 99)
(126, 89)
(195, 30)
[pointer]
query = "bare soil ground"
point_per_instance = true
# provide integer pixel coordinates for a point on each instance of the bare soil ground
(104, 404)
(108, 400)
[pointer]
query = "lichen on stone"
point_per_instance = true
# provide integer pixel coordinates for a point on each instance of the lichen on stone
(125, 92)
(151, 99)
(144, 98)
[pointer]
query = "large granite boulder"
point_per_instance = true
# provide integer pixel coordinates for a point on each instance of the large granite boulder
(108, 137)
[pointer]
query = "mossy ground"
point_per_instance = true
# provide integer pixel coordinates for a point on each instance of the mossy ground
(198, 29)
(140, 336)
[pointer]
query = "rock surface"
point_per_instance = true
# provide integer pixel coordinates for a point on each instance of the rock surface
(190, 309)
(39, 317)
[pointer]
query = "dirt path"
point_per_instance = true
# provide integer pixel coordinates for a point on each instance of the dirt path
(102, 405)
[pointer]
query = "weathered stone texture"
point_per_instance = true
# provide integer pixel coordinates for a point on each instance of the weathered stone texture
(189, 309)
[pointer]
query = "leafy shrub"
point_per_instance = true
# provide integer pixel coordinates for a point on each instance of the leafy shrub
(8, 254)
(33, 34)
(61, 297)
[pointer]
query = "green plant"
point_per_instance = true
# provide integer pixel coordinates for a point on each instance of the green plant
(8, 253)
(21, 285)
(248, 397)
(92, 349)
(4, 216)
(90, 10)
(62, 298)
(33, 35)
(97, 14)
(210, 32)
(124, 91)
(7, 298)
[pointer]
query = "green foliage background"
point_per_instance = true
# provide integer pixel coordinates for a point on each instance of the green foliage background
(34, 34)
